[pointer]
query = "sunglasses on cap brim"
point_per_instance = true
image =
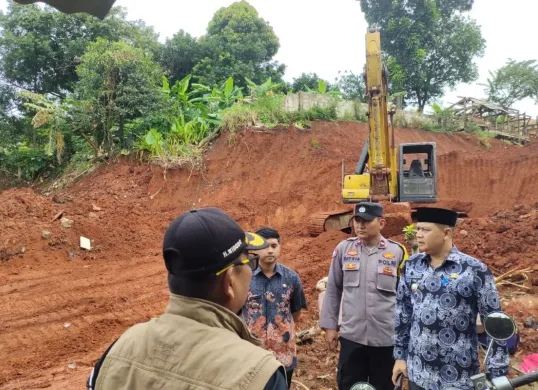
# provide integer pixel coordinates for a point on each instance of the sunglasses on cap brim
(251, 261)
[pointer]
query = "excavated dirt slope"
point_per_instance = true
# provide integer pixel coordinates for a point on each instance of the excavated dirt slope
(62, 306)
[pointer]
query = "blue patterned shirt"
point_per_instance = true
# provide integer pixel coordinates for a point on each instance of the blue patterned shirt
(435, 321)
(269, 308)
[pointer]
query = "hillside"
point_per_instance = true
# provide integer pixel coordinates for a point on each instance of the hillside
(275, 178)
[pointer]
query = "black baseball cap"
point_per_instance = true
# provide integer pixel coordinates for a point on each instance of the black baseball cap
(368, 210)
(203, 241)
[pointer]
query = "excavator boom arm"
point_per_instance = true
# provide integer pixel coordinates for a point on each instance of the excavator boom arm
(382, 149)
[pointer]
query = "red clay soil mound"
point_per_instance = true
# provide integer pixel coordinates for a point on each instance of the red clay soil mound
(62, 305)
(506, 240)
(490, 181)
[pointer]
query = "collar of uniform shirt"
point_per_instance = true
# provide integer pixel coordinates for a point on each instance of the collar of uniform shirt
(278, 270)
(382, 243)
(453, 256)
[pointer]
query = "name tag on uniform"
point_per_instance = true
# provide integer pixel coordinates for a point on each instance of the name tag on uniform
(385, 269)
(388, 271)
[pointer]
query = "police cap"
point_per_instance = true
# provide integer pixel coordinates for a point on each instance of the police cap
(368, 210)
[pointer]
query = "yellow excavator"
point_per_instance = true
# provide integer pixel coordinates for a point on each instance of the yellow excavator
(385, 172)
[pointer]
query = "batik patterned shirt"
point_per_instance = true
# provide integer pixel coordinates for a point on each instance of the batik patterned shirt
(435, 321)
(269, 308)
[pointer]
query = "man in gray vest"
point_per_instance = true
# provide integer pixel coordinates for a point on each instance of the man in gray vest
(363, 276)
(199, 342)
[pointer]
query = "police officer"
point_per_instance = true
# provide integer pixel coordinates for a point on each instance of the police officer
(362, 283)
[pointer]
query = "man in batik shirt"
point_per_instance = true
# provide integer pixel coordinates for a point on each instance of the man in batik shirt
(274, 302)
(440, 293)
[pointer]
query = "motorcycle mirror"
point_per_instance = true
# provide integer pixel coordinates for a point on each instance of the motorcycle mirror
(362, 386)
(499, 326)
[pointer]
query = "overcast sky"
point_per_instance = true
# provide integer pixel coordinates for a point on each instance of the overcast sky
(328, 36)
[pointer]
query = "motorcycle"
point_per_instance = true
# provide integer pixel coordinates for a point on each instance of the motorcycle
(498, 326)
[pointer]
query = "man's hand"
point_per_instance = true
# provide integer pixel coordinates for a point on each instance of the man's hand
(400, 366)
(332, 338)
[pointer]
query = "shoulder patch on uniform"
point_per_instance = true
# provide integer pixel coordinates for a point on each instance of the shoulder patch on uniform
(404, 250)
(395, 242)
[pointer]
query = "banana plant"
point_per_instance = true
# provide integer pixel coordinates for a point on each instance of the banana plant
(51, 117)
(265, 89)
(322, 90)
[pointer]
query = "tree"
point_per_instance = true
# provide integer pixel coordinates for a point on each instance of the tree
(117, 82)
(382, 11)
(307, 80)
(351, 86)
(427, 45)
(240, 44)
(179, 55)
(512, 82)
(40, 48)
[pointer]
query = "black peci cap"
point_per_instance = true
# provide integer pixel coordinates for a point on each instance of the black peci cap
(203, 241)
(436, 215)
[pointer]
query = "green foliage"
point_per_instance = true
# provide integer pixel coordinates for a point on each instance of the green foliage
(166, 150)
(118, 82)
(194, 115)
(316, 113)
(307, 82)
(512, 82)
(351, 86)
(238, 44)
(179, 55)
(265, 89)
(445, 119)
(24, 162)
(196, 108)
(40, 47)
(52, 118)
(93, 87)
(409, 232)
(264, 106)
(427, 46)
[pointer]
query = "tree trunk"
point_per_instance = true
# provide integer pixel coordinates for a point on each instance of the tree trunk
(120, 132)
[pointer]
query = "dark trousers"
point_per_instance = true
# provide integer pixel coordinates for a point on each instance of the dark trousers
(414, 386)
(361, 363)
(289, 374)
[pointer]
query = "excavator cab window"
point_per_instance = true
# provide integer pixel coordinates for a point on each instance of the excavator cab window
(417, 172)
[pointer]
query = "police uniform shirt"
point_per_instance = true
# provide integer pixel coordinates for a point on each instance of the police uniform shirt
(365, 283)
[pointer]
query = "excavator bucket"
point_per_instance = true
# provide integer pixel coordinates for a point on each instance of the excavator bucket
(397, 215)
(97, 8)
(326, 221)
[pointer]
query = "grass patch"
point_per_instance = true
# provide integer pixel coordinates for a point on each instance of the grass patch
(269, 112)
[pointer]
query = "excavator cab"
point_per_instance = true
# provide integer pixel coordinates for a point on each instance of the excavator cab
(418, 173)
